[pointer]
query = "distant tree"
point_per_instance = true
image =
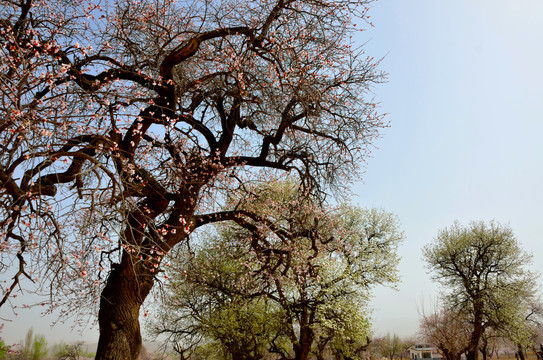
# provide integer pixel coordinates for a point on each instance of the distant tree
(35, 346)
(3, 349)
(448, 330)
(483, 270)
(71, 351)
(390, 346)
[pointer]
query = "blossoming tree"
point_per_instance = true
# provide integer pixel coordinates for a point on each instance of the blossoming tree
(123, 125)
(297, 289)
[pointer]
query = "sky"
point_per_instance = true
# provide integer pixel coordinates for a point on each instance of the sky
(465, 103)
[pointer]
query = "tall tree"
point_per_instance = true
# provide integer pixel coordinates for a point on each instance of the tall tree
(483, 270)
(124, 124)
(35, 346)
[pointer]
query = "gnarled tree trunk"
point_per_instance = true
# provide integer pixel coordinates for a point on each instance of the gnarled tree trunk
(118, 318)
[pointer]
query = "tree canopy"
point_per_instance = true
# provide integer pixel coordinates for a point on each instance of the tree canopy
(126, 123)
(483, 270)
(304, 293)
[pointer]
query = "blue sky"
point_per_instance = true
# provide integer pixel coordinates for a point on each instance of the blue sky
(465, 98)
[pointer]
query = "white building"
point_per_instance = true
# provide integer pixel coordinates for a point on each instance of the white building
(424, 351)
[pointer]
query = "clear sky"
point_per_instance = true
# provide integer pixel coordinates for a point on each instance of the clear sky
(465, 98)
(465, 102)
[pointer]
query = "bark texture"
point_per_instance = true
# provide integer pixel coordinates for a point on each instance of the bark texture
(118, 318)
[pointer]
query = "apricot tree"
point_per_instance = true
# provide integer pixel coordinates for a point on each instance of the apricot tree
(124, 124)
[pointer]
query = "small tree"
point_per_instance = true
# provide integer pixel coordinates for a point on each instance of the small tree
(35, 346)
(390, 346)
(483, 269)
(71, 351)
(3, 349)
(448, 330)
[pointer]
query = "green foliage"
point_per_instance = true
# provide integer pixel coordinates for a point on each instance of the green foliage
(296, 274)
(346, 326)
(71, 351)
(3, 349)
(391, 346)
(35, 347)
(207, 302)
(483, 270)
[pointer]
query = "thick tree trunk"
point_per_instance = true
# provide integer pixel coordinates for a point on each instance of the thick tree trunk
(118, 317)
(302, 352)
(520, 352)
(473, 351)
(306, 340)
(472, 354)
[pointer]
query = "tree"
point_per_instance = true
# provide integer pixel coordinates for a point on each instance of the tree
(125, 124)
(390, 346)
(35, 346)
(205, 306)
(534, 321)
(483, 268)
(4, 349)
(523, 328)
(313, 278)
(448, 330)
(71, 351)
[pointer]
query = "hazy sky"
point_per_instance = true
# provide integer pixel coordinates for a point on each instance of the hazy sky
(465, 98)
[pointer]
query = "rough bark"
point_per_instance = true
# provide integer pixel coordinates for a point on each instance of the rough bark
(118, 318)
(303, 347)
(473, 349)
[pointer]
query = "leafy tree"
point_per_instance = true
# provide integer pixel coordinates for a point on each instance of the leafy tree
(344, 330)
(71, 351)
(524, 328)
(206, 307)
(125, 123)
(314, 274)
(483, 268)
(390, 346)
(4, 349)
(35, 346)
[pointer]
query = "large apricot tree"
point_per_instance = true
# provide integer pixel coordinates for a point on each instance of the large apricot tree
(124, 123)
